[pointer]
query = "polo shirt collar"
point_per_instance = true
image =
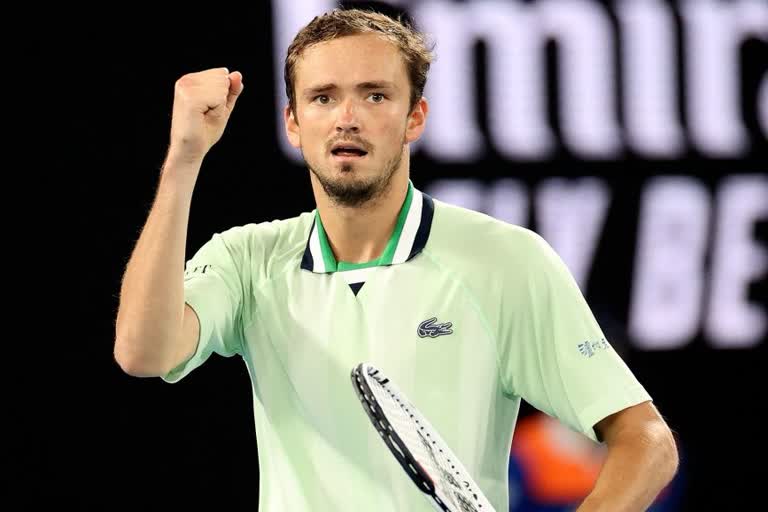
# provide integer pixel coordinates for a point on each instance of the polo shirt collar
(408, 238)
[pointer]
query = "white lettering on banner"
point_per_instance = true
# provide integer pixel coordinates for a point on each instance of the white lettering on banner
(714, 31)
(650, 78)
(669, 277)
(582, 31)
(517, 77)
(669, 286)
(515, 33)
(453, 130)
(737, 261)
(570, 215)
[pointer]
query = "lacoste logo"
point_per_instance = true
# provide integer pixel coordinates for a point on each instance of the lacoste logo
(429, 329)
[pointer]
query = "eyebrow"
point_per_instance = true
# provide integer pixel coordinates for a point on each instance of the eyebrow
(379, 84)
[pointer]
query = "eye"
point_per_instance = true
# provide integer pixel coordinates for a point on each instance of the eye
(377, 97)
(323, 99)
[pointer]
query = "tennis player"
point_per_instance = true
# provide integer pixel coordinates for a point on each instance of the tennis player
(469, 314)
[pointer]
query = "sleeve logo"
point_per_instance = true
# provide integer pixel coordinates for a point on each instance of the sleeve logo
(589, 348)
(190, 272)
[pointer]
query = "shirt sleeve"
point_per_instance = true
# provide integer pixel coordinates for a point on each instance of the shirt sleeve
(213, 289)
(553, 353)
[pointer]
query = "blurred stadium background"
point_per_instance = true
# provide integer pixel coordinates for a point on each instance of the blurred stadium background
(631, 134)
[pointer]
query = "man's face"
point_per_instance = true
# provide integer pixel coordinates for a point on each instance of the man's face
(352, 97)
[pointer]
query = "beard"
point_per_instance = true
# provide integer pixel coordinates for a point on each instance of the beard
(356, 192)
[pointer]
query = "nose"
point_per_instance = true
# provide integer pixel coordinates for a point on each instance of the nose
(347, 120)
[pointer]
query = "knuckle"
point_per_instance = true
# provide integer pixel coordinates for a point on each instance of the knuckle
(184, 81)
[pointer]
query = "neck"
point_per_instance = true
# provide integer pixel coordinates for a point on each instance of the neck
(360, 234)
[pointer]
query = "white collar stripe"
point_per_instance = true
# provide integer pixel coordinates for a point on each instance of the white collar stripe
(318, 263)
(410, 228)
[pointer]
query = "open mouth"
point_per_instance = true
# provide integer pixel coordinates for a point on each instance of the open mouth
(347, 150)
(344, 151)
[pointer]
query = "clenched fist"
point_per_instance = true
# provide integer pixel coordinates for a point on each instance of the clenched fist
(202, 105)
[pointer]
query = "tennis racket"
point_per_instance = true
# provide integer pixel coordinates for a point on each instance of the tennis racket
(416, 445)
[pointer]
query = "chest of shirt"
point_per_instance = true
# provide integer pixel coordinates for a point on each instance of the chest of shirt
(424, 330)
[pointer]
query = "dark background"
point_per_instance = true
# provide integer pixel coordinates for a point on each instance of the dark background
(107, 441)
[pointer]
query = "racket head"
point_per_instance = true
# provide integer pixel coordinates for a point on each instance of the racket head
(424, 456)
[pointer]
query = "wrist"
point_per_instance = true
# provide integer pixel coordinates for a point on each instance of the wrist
(181, 169)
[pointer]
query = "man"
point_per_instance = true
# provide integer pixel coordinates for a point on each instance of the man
(470, 315)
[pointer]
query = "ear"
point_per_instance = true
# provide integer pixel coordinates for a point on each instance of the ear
(417, 120)
(291, 127)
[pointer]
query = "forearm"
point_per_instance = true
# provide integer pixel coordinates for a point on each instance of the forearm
(637, 467)
(150, 314)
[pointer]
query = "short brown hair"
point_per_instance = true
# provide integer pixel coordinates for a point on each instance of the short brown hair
(347, 22)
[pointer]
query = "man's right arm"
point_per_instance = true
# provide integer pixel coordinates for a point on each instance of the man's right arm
(155, 329)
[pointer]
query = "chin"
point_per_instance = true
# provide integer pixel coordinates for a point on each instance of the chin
(347, 169)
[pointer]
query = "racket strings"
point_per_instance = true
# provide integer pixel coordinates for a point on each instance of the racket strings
(407, 426)
(448, 483)
(419, 448)
(421, 445)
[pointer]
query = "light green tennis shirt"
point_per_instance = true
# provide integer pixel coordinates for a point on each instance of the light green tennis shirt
(468, 316)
